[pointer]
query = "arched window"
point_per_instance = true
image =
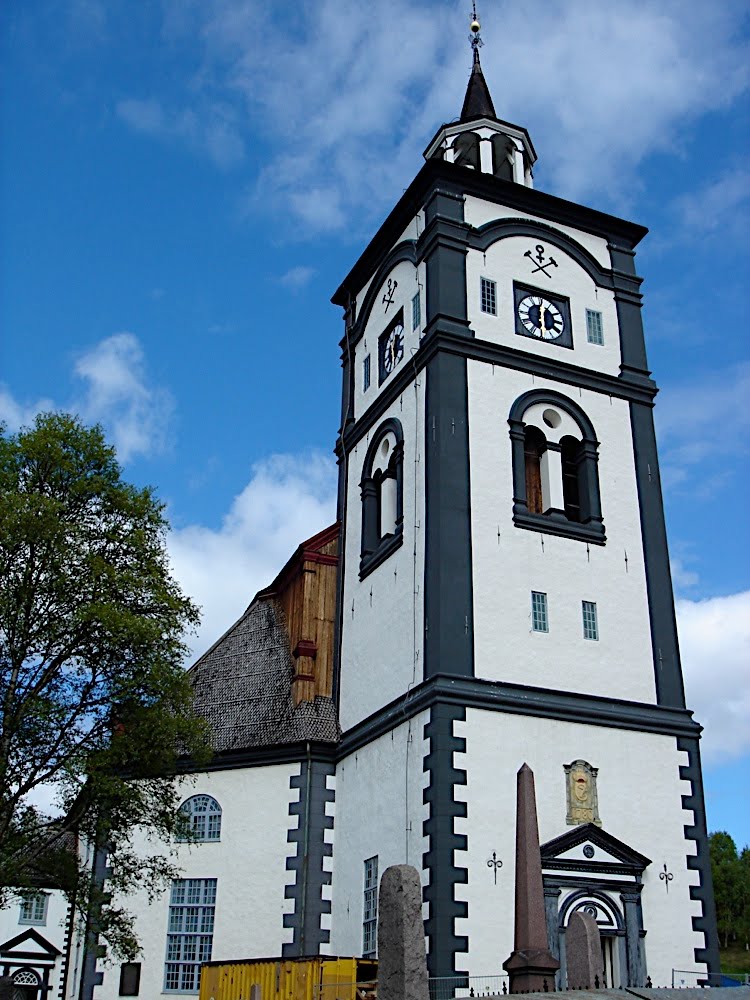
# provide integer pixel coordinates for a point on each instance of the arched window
(555, 467)
(203, 816)
(382, 496)
(503, 155)
(534, 446)
(466, 150)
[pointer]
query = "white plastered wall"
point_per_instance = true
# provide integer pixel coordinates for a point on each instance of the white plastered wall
(379, 811)
(509, 562)
(381, 645)
(249, 864)
(505, 263)
(639, 792)
(478, 212)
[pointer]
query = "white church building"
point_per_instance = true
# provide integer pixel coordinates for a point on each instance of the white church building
(496, 591)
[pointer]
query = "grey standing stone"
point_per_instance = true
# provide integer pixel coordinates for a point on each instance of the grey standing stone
(583, 947)
(402, 963)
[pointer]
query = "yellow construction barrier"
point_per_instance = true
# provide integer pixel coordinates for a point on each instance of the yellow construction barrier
(322, 977)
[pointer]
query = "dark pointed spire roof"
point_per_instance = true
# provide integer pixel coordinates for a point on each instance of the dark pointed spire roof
(477, 103)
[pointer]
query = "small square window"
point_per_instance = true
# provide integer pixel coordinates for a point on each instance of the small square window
(34, 909)
(489, 296)
(539, 618)
(366, 374)
(416, 312)
(590, 623)
(594, 327)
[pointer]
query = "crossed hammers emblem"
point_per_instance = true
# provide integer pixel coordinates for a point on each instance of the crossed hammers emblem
(538, 259)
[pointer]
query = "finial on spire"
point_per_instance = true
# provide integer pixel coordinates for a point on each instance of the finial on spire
(477, 102)
(475, 38)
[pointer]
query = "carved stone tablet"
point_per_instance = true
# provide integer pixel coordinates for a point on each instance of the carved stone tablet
(580, 784)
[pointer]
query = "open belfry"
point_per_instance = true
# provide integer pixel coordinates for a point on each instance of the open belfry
(496, 593)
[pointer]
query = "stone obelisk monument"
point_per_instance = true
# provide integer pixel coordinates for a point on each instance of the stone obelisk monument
(531, 963)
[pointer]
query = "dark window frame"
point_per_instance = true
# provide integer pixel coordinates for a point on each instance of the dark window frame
(376, 547)
(590, 527)
(130, 979)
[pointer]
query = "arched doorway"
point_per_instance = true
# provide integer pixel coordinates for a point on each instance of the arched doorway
(588, 869)
(26, 985)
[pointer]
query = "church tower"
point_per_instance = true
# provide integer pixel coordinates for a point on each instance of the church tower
(504, 589)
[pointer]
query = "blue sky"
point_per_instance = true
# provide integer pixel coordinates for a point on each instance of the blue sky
(184, 184)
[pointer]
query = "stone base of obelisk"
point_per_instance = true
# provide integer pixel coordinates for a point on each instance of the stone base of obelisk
(530, 970)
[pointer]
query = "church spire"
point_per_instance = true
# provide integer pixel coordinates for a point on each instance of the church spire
(478, 102)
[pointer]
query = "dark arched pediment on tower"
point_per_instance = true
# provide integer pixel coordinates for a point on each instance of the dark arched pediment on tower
(404, 251)
(485, 236)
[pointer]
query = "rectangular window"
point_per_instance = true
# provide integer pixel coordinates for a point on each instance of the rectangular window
(366, 374)
(189, 933)
(489, 296)
(130, 979)
(590, 624)
(34, 909)
(416, 312)
(370, 912)
(594, 327)
(539, 619)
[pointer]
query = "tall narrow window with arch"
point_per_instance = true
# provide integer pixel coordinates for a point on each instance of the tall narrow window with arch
(202, 815)
(382, 490)
(555, 467)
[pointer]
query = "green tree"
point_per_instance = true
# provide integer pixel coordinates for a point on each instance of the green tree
(93, 698)
(730, 887)
(743, 928)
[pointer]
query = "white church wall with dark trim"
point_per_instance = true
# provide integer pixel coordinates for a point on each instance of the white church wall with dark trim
(505, 263)
(412, 232)
(479, 212)
(408, 279)
(53, 929)
(640, 803)
(619, 664)
(329, 836)
(249, 863)
(381, 614)
(378, 796)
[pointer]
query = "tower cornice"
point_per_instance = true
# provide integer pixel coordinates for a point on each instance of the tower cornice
(619, 233)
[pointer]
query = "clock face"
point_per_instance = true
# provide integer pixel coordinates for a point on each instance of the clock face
(540, 317)
(391, 345)
(394, 348)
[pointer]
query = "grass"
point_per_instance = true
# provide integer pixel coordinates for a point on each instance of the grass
(735, 959)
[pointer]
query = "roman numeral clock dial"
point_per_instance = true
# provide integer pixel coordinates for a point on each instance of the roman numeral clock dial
(542, 316)
(391, 346)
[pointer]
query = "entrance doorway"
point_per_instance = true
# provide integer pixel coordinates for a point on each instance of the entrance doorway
(610, 963)
(25, 985)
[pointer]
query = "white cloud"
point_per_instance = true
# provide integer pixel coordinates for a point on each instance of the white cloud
(703, 427)
(719, 206)
(715, 647)
(138, 415)
(211, 128)
(288, 499)
(297, 277)
(117, 393)
(342, 108)
(682, 577)
(16, 415)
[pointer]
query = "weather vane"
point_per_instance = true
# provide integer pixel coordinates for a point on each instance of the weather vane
(474, 37)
